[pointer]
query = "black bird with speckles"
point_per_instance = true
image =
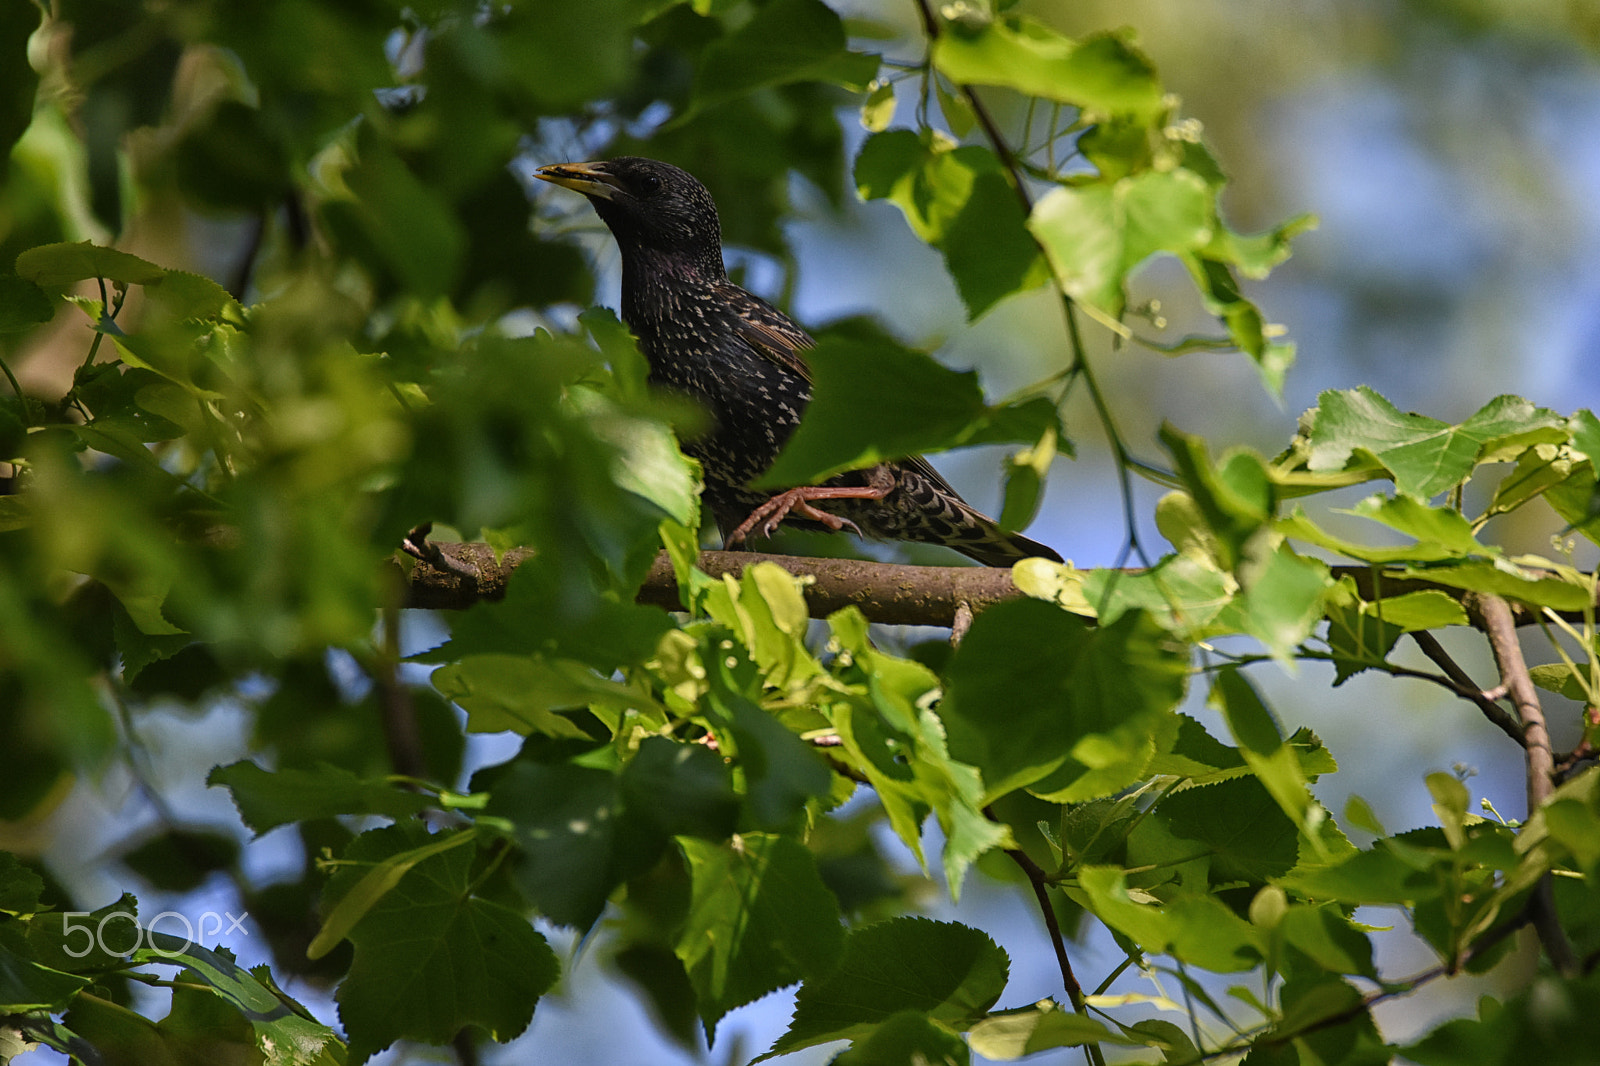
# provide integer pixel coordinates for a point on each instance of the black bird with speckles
(741, 358)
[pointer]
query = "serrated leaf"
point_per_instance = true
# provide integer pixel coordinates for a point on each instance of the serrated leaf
(1103, 73)
(960, 200)
(285, 1034)
(23, 304)
(1282, 602)
(1037, 698)
(431, 958)
(524, 693)
(185, 296)
(848, 427)
(268, 799)
(1013, 1034)
(1198, 929)
(950, 973)
(1096, 235)
(1503, 578)
(1561, 678)
(1246, 834)
(576, 846)
(784, 41)
(26, 985)
(647, 461)
(907, 1038)
(1327, 936)
(759, 918)
(1424, 455)
(55, 266)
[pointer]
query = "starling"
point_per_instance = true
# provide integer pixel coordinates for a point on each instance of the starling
(743, 360)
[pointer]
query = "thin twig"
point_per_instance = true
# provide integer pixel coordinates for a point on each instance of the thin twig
(1466, 688)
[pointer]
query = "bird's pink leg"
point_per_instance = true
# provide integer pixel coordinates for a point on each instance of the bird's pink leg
(798, 502)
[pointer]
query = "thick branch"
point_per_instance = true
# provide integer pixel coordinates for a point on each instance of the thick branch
(891, 593)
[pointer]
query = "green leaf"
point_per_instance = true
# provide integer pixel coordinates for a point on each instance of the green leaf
(575, 848)
(950, 973)
(1036, 698)
(1504, 578)
(1327, 936)
(680, 789)
(1425, 456)
(56, 266)
(759, 918)
(23, 304)
(1282, 603)
(1329, 1022)
(784, 41)
(898, 742)
(877, 110)
(848, 427)
(389, 219)
(1180, 592)
(430, 957)
(1441, 533)
(1103, 73)
(1247, 835)
(782, 773)
(1561, 678)
(907, 1038)
(960, 200)
(185, 296)
(1194, 928)
(285, 1033)
(356, 897)
(647, 461)
(1096, 235)
(766, 610)
(20, 886)
(1013, 1034)
(269, 799)
(1234, 497)
(1376, 876)
(525, 693)
(26, 985)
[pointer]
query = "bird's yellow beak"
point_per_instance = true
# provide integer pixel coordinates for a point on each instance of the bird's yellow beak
(587, 178)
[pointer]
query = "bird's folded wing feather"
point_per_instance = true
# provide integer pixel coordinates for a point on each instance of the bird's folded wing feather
(770, 332)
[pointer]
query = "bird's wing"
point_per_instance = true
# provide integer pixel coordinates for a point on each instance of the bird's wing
(772, 333)
(775, 335)
(924, 468)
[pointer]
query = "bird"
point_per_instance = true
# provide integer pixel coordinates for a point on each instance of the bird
(743, 361)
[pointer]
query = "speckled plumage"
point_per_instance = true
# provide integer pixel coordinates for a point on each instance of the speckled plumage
(741, 358)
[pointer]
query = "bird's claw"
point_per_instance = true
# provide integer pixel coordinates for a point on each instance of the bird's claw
(770, 515)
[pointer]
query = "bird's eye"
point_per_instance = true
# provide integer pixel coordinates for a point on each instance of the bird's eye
(649, 184)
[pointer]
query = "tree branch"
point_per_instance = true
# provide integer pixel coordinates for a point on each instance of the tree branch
(1466, 688)
(890, 593)
(1493, 615)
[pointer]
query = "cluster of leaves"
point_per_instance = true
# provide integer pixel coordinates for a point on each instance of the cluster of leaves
(215, 501)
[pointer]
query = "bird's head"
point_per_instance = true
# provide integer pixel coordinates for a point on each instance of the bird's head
(649, 206)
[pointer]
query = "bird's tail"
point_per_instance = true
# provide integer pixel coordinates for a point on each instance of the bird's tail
(945, 518)
(984, 540)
